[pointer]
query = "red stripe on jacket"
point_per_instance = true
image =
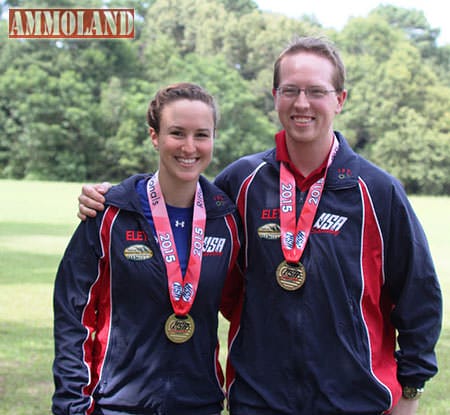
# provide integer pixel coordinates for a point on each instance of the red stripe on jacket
(97, 313)
(232, 290)
(376, 305)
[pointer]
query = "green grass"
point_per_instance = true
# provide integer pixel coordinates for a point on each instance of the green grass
(36, 222)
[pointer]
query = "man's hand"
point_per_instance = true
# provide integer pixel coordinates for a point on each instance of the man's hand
(91, 199)
(405, 407)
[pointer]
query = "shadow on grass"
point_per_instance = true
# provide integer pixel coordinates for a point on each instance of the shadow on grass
(18, 228)
(19, 267)
(26, 356)
(31, 252)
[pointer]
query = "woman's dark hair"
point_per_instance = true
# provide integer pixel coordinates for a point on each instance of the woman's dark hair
(174, 92)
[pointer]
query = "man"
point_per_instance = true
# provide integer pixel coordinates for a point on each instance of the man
(336, 267)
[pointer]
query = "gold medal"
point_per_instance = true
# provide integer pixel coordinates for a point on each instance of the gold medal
(291, 276)
(179, 329)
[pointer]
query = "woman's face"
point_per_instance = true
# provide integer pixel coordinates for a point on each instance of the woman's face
(185, 140)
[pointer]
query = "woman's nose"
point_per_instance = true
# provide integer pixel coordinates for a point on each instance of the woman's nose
(188, 144)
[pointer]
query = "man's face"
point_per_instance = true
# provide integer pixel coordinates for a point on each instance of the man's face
(308, 118)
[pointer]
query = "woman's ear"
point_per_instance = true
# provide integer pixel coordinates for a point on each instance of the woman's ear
(154, 138)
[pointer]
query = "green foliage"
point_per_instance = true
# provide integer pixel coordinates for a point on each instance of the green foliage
(413, 23)
(402, 153)
(239, 6)
(75, 109)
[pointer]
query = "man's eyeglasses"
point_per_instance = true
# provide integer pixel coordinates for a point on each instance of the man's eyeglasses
(311, 92)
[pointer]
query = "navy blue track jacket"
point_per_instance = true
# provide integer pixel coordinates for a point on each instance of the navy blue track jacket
(329, 347)
(111, 303)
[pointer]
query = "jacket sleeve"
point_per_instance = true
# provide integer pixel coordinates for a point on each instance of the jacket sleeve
(231, 307)
(232, 292)
(75, 278)
(411, 277)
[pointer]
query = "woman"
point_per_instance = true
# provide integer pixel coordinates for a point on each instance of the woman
(138, 289)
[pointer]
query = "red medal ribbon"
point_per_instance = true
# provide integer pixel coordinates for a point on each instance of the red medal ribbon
(181, 292)
(294, 237)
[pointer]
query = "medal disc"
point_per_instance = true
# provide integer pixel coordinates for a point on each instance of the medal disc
(179, 329)
(291, 276)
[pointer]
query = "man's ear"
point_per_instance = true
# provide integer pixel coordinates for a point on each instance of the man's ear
(342, 96)
(275, 98)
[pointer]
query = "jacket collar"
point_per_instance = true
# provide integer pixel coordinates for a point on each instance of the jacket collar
(344, 169)
(125, 196)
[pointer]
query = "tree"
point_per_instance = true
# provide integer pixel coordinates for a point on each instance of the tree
(413, 23)
(239, 7)
(417, 156)
(383, 77)
(75, 109)
(254, 40)
(127, 145)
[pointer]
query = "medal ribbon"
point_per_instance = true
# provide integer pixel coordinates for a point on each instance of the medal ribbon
(181, 292)
(294, 237)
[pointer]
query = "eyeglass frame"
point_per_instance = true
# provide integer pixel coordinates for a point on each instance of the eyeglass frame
(307, 91)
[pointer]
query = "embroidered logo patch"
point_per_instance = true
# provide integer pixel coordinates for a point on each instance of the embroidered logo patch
(269, 231)
(329, 223)
(213, 246)
(138, 253)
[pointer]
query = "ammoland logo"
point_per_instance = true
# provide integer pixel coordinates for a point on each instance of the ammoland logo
(70, 23)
